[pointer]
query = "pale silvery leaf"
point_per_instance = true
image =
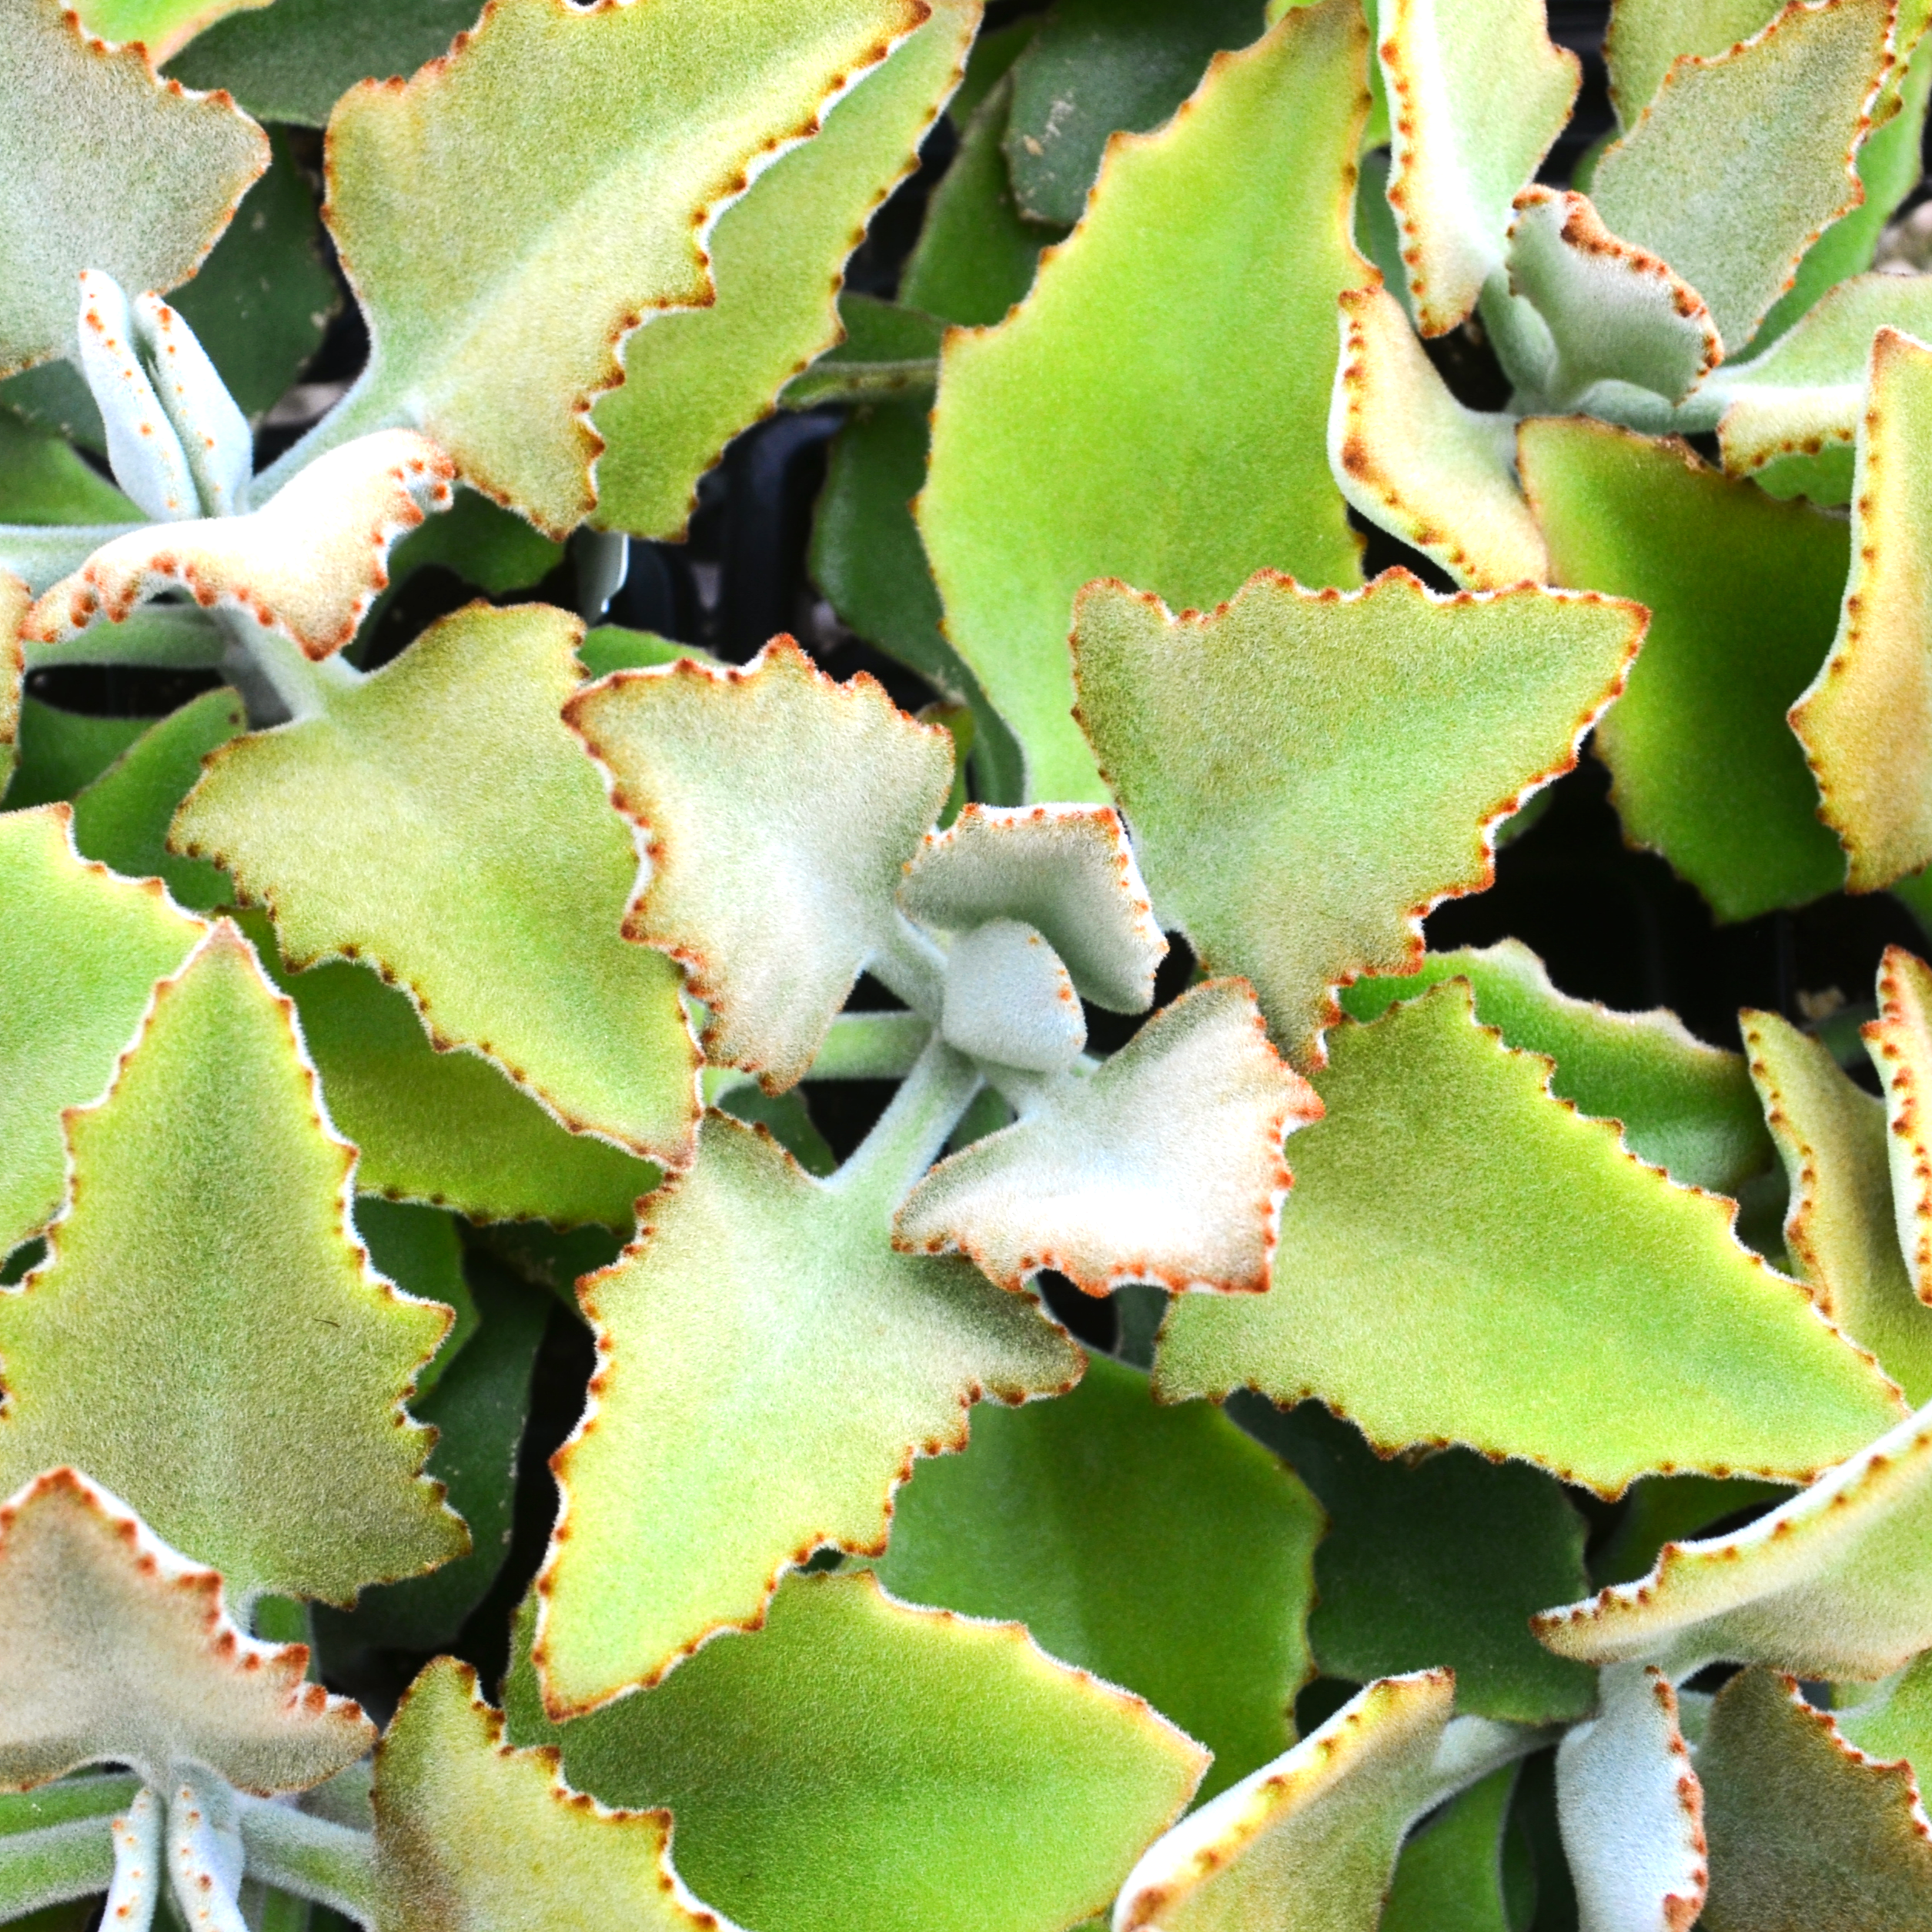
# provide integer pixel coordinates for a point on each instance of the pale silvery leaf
(1008, 1000)
(1900, 1042)
(143, 445)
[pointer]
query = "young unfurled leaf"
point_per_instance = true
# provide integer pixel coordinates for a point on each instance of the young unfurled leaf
(1103, 1522)
(1831, 1584)
(1221, 241)
(1840, 1229)
(102, 166)
(1292, 851)
(473, 857)
(204, 1336)
(1464, 1258)
(164, 27)
(953, 1777)
(1164, 1165)
(769, 1368)
(1805, 1831)
(1414, 461)
(1774, 126)
(516, 209)
(1450, 1876)
(1865, 720)
(781, 808)
(308, 563)
(471, 1836)
(1307, 1844)
(1477, 93)
(1900, 1042)
(80, 951)
(116, 1649)
(1743, 595)
(1688, 1108)
(693, 379)
(1631, 1808)
(1615, 313)
(1645, 36)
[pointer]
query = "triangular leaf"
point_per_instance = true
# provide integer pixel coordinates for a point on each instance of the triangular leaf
(504, 228)
(1805, 1831)
(1477, 94)
(1840, 1228)
(471, 1836)
(1645, 36)
(80, 951)
(116, 1649)
(1865, 720)
(1102, 1522)
(760, 1312)
(1742, 594)
(985, 1788)
(780, 809)
(1164, 1165)
(1415, 462)
(308, 564)
(1773, 125)
(1221, 241)
(1291, 851)
(205, 1336)
(102, 166)
(473, 857)
(692, 380)
(1556, 1299)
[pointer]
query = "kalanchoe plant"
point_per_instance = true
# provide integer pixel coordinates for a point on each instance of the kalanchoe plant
(706, 1226)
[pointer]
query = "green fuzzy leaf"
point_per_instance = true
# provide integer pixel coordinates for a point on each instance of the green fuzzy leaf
(1104, 1524)
(1897, 1722)
(473, 857)
(1555, 1299)
(101, 167)
(418, 1249)
(1222, 242)
(473, 1837)
(1645, 36)
(80, 951)
(62, 752)
(204, 1336)
(1477, 95)
(162, 26)
(760, 1313)
(501, 175)
(1443, 1559)
(692, 380)
(1774, 125)
(1743, 595)
(294, 62)
(1292, 850)
(610, 647)
(1099, 66)
(1804, 1833)
(44, 480)
(1449, 1876)
(492, 548)
(1669, 1509)
(858, 1761)
(1900, 1044)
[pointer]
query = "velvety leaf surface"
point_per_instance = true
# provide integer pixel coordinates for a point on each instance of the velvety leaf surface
(1449, 1876)
(1416, 462)
(1897, 1722)
(859, 1761)
(101, 167)
(204, 1335)
(1104, 1523)
(80, 951)
(693, 379)
(1477, 93)
(162, 26)
(46, 480)
(14, 595)
(473, 857)
(1805, 1832)
(1688, 1108)
(1645, 36)
(1292, 850)
(1309, 1843)
(1864, 721)
(61, 752)
(1743, 595)
(1774, 125)
(508, 174)
(1840, 1228)
(1464, 1258)
(1442, 1557)
(780, 808)
(1899, 1043)
(471, 1836)
(1222, 242)
(768, 1370)
(114, 1649)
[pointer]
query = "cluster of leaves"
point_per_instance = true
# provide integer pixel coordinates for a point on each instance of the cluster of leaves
(360, 1009)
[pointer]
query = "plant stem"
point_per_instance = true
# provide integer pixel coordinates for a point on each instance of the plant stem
(169, 637)
(43, 553)
(872, 1046)
(1473, 1747)
(54, 1863)
(907, 1136)
(302, 689)
(910, 966)
(332, 1864)
(65, 1801)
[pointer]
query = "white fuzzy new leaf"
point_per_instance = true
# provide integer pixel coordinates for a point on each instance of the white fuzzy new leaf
(1008, 1000)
